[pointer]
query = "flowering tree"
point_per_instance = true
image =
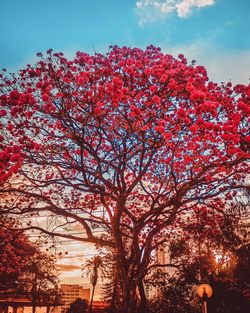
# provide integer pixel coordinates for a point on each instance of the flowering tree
(125, 141)
(24, 269)
(15, 252)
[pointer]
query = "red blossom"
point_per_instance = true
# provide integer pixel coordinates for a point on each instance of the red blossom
(163, 78)
(181, 113)
(15, 157)
(46, 97)
(247, 139)
(97, 111)
(2, 113)
(156, 99)
(153, 88)
(167, 136)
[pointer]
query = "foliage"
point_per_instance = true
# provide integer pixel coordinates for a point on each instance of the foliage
(39, 279)
(221, 259)
(15, 252)
(177, 295)
(78, 306)
(11, 159)
(24, 269)
(94, 269)
(111, 290)
(126, 141)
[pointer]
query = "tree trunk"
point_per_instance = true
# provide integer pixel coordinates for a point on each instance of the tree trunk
(92, 297)
(114, 299)
(128, 295)
(143, 306)
(5, 308)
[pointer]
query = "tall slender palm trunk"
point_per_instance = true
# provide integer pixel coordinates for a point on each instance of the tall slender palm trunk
(91, 300)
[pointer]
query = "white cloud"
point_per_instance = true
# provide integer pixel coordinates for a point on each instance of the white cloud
(185, 7)
(150, 11)
(222, 65)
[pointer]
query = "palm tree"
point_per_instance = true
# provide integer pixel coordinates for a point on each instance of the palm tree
(94, 268)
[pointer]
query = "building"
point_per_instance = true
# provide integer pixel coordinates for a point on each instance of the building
(12, 302)
(70, 292)
(162, 257)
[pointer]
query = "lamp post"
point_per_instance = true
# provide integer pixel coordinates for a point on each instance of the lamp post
(205, 292)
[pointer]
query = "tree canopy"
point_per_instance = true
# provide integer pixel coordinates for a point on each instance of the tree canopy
(78, 306)
(15, 252)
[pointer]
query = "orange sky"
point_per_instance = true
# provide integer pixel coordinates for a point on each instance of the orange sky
(70, 265)
(70, 253)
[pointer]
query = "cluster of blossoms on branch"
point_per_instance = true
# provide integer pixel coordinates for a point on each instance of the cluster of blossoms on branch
(11, 159)
(15, 249)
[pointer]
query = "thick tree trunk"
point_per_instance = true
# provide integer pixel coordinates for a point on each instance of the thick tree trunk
(34, 308)
(129, 300)
(129, 296)
(133, 294)
(5, 308)
(114, 299)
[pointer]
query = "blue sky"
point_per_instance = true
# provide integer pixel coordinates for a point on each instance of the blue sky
(214, 32)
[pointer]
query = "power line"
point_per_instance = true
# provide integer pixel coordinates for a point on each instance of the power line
(40, 236)
(72, 232)
(55, 215)
(77, 256)
(66, 243)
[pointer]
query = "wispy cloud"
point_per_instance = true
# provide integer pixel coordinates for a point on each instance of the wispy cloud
(68, 267)
(222, 65)
(150, 11)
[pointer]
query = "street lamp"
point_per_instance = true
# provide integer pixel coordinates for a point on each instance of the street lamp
(205, 292)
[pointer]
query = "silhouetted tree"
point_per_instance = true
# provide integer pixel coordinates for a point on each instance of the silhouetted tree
(111, 289)
(39, 280)
(16, 250)
(94, 269)
(218, 255)
(78, 306)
